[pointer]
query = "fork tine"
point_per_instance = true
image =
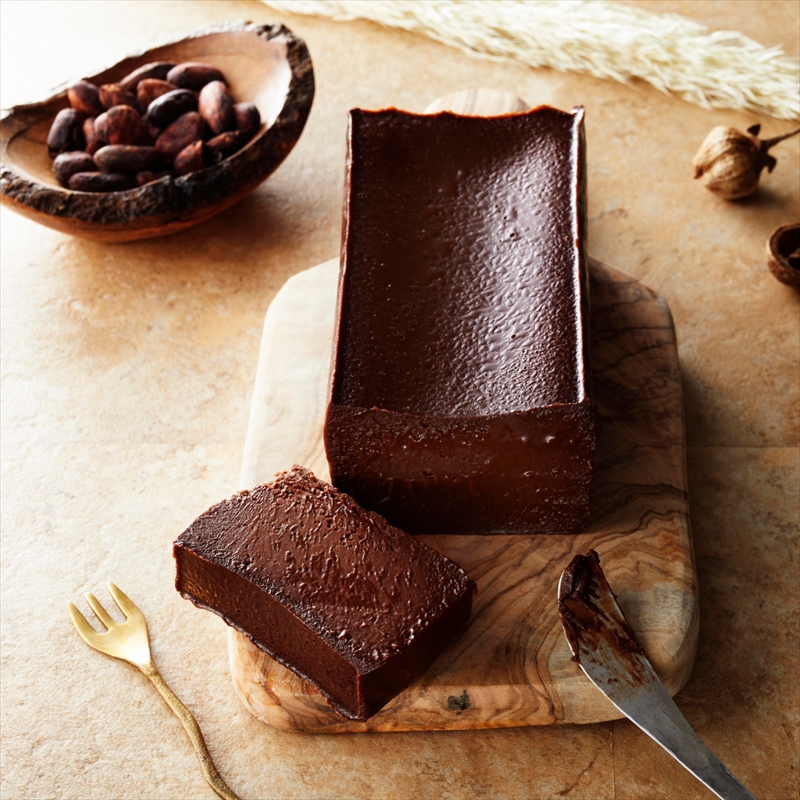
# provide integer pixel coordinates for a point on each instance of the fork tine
(98, 609)
(128, 607)
(85, 630)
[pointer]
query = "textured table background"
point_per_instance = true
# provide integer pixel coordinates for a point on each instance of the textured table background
(127, 373)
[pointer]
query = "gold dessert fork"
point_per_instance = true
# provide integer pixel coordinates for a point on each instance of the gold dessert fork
(129, 641)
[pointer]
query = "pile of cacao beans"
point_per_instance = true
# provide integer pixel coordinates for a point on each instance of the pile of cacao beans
(162, 119)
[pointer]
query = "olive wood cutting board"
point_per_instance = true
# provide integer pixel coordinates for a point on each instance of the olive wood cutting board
(513, 665)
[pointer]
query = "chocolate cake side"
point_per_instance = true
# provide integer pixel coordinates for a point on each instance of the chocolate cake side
(348, 602)
(460, 389)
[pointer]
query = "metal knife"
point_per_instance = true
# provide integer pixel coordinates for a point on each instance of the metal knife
(608, 652)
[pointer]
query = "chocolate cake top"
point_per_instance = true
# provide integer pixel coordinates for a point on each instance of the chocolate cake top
(462, 262)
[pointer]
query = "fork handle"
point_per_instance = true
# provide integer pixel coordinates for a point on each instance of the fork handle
(192, 729)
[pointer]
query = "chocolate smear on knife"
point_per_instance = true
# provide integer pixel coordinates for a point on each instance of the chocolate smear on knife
(592, 620)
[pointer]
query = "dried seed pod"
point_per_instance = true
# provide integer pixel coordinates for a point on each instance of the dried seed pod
(248, 118)
(192, 158)
(215, 105)
(127, 158)
(93, 141)
(225, 144)
(67, 164)
(85, 98)
(156, 69)
(122, 125)
(783, 254)
(167, 108)
(729, 162)
(101, 182)
(194, 75)
(66, 132)
(150, 89)
(148, 176)
(186, 129)
(112, 94)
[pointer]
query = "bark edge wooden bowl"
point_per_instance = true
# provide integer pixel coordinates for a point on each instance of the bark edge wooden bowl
(282, 88)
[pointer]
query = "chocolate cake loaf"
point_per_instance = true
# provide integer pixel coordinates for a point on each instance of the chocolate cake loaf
(348, 602)
(460, 388)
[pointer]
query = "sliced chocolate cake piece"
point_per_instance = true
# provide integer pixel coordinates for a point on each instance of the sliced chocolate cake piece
(335, 593)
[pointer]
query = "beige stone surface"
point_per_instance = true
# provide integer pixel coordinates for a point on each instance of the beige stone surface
(127, 372)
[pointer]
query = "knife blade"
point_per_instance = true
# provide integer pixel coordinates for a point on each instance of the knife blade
(608, 652)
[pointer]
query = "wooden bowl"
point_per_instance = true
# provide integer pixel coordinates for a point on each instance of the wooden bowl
(265, 65)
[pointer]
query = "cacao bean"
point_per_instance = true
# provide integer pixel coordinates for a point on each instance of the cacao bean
(93, 141)
(153, 130)
(248, 118)
(156, 69)
(215, 105)
(101, 182)
(112, 94)
(185, 130)
(167, 108)
(122, 125)
(194, 75)
(85, 98)
(104, 143)
(67, 164)
(148, 176)
(151, 88)
(126, 158)
(192, 158)
(66, 132)
(225, 144)
(101, 127)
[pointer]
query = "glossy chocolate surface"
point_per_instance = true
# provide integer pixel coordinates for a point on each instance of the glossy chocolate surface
(354, 605)
(460, 387)
(461, 264)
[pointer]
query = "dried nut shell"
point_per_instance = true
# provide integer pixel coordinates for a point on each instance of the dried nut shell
(85, 98)
(122, 125)
(127, 158)
(93, 141)
(156, 69)
(151, 89)
(225, 145)
(248, 118)
(101, 182)
(191, 159)
(67, 164)
(194, 75)
(783, 254)
(167, 108)
(185, 130)
(66, 132)
(112, 94)
(215, 105)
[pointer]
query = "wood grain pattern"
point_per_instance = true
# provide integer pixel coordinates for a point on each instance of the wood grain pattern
(513, 665)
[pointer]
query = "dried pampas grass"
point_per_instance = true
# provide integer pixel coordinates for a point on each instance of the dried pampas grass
(723, 69)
